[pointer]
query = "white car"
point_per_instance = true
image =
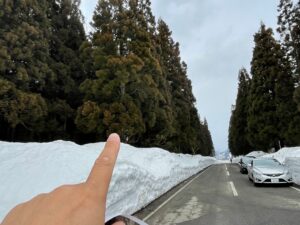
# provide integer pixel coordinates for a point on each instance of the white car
(268, 171)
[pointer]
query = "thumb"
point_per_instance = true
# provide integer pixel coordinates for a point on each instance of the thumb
(102, 170)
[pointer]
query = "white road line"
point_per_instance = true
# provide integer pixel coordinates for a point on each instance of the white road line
(228, 174)
(297, 189)
(233, 189)
(170, 198)
(226, 167)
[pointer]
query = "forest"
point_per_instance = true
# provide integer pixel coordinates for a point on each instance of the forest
(266, 115)
(126, 76)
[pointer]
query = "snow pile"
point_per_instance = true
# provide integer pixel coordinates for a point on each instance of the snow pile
(236, 159)
(140, 176)
(256, 154)
(291, 158)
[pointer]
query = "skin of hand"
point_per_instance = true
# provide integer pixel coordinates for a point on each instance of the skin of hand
(80, 204)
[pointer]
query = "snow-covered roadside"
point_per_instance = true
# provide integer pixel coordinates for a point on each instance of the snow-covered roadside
(140, 176)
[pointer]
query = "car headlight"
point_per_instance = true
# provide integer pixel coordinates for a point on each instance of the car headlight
(257, 174)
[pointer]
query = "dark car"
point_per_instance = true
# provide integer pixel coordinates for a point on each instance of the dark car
(244, 161)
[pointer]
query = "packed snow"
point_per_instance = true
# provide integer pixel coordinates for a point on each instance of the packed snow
(140, 175)
(256, 154)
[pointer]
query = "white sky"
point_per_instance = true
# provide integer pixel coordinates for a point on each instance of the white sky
(216, 39)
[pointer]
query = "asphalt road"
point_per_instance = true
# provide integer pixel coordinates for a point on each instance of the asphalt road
(222, 196)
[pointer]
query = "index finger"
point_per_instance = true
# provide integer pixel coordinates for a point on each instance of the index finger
(102, 170)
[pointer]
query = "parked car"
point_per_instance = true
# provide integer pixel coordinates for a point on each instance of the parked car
(244, 161)
(268, 171)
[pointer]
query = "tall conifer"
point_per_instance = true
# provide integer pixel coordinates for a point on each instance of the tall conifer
(238, 124)
(114, 85)
(24, 54)
(189, 131)
(262, 119)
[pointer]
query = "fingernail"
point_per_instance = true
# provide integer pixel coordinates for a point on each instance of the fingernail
(113, 137)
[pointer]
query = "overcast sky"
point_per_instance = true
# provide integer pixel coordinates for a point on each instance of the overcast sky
(216, 39)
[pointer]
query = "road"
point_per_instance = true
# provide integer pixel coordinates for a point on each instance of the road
(221, 195)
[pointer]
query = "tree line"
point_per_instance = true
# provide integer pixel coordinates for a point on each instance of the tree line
(126, 76)
(266, 115)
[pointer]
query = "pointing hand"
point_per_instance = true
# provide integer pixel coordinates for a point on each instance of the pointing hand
(80, 204)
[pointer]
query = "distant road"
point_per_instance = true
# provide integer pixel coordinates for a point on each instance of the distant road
(221, 195)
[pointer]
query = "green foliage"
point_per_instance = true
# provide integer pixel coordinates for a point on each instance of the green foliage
(265, 115)
(190, 134)
(297, 97)
(39, 51)
(289, 30)
(24, 46)
(20, 108)
(88, 117)
(262, 119)
(238, 142)
(126, 78)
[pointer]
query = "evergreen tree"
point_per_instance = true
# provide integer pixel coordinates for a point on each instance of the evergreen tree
(286, 109)
(238, 143)
(285, 29)
(156, 107)
(297, 97)
(272, 111)
(110, 92)
(24, 45)
(22, 110)
(66, 36)
(127, 78)
(189, 132)
(262, 119)
(289, 30)
(210, 150)
(231, 135)
(24, 67)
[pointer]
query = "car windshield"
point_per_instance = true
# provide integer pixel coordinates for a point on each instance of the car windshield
(266, 162)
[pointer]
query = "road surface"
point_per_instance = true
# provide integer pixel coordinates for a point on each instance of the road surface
(220, 195)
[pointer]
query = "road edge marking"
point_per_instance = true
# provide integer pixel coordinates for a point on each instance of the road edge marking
(233, 189)
(297, 189)
(174, 195)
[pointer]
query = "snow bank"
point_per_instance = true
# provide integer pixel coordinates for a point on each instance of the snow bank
(140, 176)
(236, 159)
(256, 154)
